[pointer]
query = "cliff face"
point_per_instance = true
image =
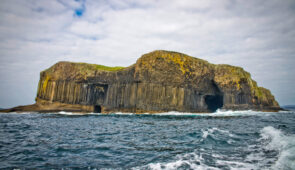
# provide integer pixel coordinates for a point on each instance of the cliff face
(159, 81)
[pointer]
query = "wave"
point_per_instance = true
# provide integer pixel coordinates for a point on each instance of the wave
(286, 111)
(222, 113)
(276, 140)
(215, 114)
(271, 141)
(197, 161)
(218, 113)
(71, 113)
(186, 161)
(211, 132)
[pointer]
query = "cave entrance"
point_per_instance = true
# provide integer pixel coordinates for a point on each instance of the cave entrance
(97, 109)
(214, 102)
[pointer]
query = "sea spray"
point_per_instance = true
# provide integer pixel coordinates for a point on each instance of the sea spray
(275, 139)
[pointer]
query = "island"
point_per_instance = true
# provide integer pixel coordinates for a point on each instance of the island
(159, 81)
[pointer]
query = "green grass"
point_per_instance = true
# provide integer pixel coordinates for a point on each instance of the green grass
(107, 68)
(99, 67)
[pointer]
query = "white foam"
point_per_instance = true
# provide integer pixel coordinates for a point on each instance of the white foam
(211, 131)
(195, 161)
(285, 145)
(218, 113)
(205, 134)
(286, 111)
(186, 161)
(68, 113)
(235, 165)
(175, 113)
(172, 113)
(271, 139)
(121, 113)
(25, 113)
(222, 113)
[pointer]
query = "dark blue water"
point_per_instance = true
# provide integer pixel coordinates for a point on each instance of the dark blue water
(223, 140)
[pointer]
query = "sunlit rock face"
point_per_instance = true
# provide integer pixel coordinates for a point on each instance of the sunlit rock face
(159, 81)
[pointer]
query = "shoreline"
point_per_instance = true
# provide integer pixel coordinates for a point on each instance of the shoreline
(86, 109)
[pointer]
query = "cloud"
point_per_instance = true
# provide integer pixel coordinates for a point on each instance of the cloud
(257, 35)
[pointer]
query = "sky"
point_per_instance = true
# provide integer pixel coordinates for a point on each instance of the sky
(257, 35)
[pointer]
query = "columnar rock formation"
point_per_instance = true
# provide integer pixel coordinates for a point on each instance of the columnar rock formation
(159, 81)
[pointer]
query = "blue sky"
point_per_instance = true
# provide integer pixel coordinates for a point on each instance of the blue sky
(257, 35)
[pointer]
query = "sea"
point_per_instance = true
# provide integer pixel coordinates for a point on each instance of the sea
(221, 140)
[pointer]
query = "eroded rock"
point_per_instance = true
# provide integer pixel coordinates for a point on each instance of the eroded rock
(159, 81)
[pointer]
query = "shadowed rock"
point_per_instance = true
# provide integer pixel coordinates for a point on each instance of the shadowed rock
(159, 81)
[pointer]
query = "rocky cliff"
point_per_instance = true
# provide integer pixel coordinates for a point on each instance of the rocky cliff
(159, 81)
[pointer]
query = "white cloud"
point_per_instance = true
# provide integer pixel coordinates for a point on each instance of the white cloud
(86, 29)
(257, 35)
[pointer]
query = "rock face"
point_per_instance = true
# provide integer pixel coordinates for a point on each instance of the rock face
(159, 81)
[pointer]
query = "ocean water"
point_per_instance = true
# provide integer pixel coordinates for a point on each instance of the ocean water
(222, 140)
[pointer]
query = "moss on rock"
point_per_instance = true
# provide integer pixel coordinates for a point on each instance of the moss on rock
(76, 71)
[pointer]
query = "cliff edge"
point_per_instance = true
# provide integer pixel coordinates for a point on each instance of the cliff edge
(159, 81)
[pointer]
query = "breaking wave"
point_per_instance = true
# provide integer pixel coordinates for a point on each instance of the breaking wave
(275, 140)
(218, 113)
(70, 113)
(273, 150)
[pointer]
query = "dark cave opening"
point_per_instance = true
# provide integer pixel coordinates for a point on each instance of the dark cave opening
(214, 102)
(97, 109)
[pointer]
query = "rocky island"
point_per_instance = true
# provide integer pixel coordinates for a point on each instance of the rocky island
(159, 81)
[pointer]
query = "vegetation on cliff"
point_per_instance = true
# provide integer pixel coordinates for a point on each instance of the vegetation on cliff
(74, 71)
(84, 67)
(181, 68)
